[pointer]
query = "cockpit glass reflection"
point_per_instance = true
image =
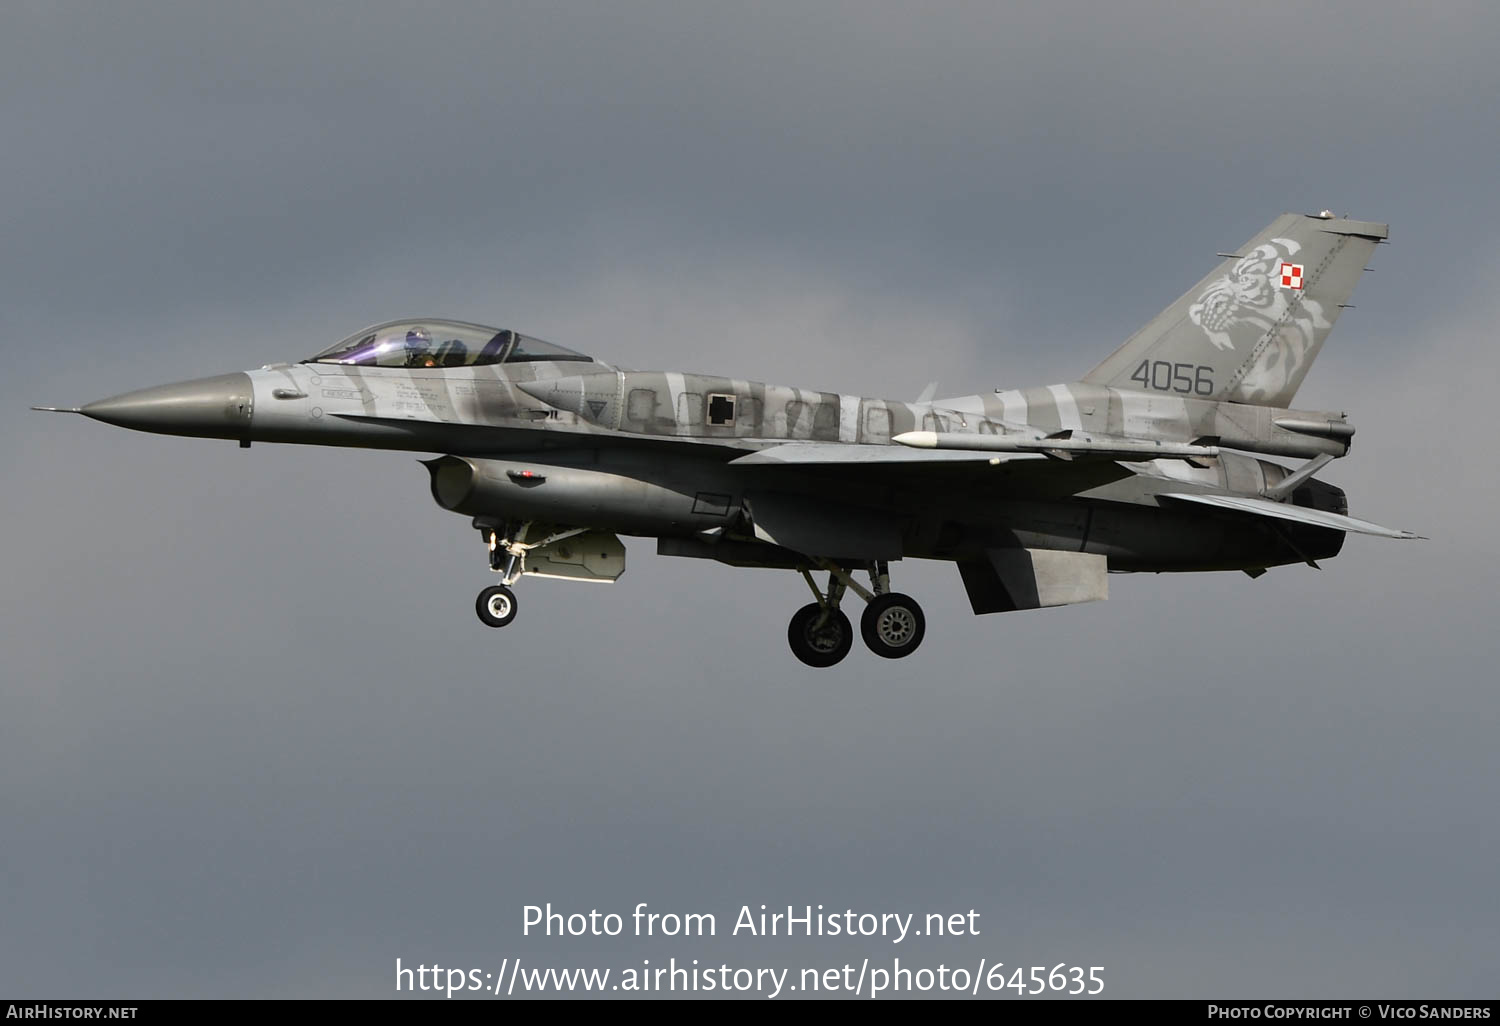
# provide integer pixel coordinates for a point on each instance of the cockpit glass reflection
(437, 344)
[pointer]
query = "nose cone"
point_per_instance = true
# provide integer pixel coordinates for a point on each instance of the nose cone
(217, 407)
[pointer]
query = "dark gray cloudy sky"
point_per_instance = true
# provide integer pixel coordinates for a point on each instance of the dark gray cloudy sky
(254, 742)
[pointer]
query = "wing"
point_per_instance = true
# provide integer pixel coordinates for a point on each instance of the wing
(863, 467)
(1284, 511)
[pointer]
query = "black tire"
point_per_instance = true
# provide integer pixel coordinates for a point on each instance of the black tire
(893, 625)
(822, 646)
(496, 606)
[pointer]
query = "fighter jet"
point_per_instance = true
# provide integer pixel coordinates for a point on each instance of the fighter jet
(1150, 462)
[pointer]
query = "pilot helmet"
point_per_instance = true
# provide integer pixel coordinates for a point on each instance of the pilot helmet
(418, 342)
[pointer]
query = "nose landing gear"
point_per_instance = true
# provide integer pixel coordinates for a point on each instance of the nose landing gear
(892, 624)
(496, 604)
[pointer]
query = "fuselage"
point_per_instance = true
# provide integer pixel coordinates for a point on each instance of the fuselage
(649, 453)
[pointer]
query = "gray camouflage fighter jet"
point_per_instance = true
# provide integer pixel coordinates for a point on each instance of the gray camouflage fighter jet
(1149, 462)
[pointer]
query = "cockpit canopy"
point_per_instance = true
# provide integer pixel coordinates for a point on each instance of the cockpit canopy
(441, 344)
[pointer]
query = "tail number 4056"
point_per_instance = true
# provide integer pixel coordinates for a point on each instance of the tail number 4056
(1187, 378)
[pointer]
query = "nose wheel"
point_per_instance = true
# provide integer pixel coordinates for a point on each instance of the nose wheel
(496, 606)
(892, 624)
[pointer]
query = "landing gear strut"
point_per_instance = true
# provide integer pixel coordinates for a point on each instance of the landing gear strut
(508, 544)
(892, 624)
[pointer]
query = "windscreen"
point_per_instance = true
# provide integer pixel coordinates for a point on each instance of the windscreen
(438, 344)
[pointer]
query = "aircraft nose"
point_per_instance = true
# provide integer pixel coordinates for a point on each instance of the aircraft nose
(217, 407)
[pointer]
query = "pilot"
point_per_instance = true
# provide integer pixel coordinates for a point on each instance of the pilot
(419, 349)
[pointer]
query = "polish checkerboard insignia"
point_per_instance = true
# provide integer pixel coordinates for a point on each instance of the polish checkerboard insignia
(1291, 276)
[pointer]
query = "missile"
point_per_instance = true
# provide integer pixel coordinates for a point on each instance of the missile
(1062, 445)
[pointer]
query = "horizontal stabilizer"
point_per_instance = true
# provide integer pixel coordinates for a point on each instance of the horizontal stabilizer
(1286, 511)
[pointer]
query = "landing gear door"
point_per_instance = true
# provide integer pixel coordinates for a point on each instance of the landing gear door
(593, 556)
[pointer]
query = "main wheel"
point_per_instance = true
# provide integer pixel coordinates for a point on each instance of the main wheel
(819, 644)
(496, 606)
(893, 625)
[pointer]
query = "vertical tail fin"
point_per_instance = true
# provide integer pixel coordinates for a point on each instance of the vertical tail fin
(1249, 331)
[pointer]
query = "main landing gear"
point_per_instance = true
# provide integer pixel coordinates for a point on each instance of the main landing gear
(892, 624)
(496, 604)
